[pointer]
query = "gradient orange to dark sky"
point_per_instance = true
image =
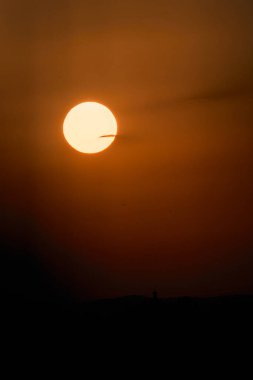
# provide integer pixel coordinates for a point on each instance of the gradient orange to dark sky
(169, 205)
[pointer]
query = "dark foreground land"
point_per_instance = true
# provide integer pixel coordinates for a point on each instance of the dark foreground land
(174, 314)
(32, 305)
(59, 324)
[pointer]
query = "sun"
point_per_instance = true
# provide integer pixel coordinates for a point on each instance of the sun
(90, 127)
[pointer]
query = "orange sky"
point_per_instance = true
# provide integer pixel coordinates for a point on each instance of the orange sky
(169, 205)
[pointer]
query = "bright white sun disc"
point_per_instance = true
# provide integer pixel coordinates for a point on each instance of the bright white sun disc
(90, 127)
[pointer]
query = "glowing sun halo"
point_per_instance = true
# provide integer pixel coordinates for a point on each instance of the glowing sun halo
(90, 127)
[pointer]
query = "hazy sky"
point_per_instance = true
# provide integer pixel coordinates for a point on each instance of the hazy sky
(170, 204)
